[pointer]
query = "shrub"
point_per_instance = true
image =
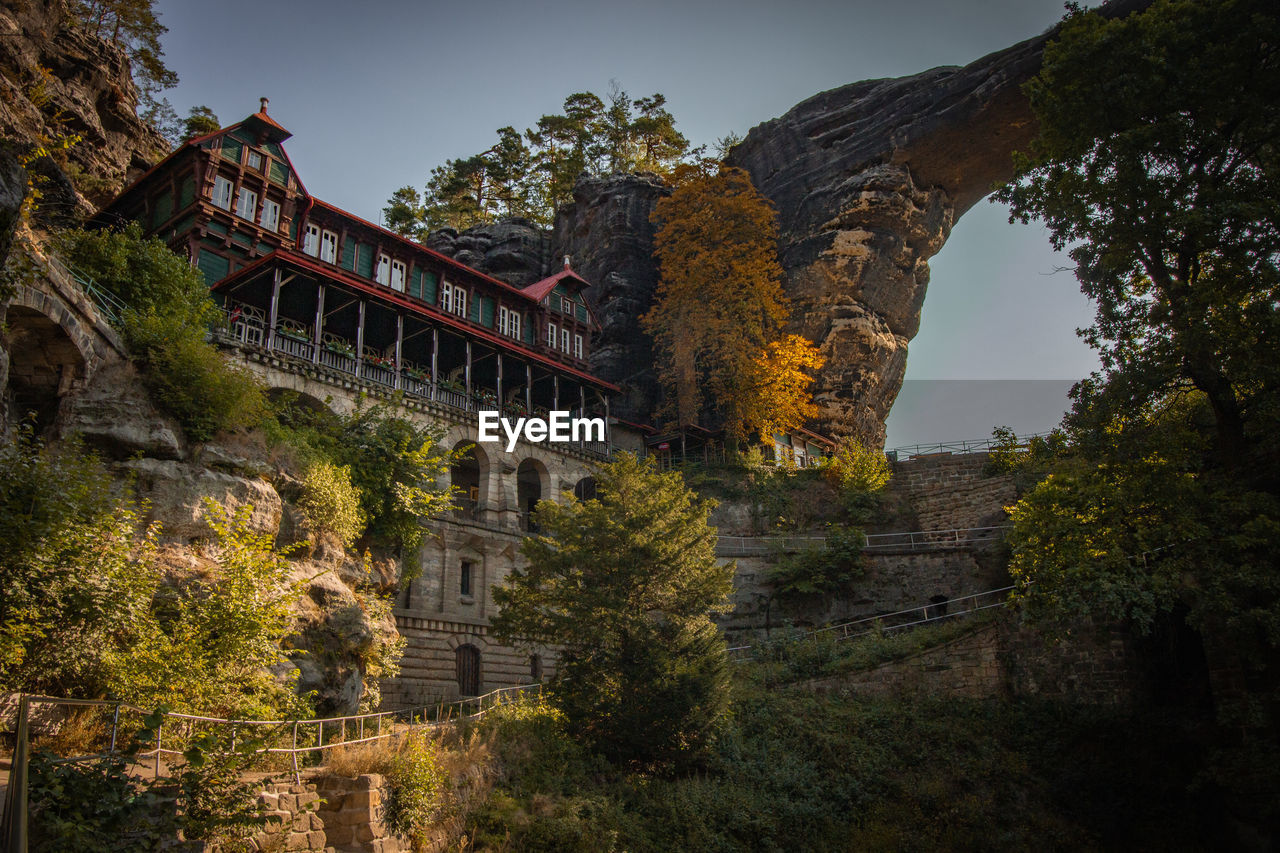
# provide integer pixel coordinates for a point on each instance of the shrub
(141, 271)
(419, 794)
(188, 377)
(330, 502)
(858, 472)
(826, 569)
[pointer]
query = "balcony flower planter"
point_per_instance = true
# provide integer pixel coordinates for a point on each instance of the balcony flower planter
(294, 335)
(349, 352)
(452, 387)
(417, 375)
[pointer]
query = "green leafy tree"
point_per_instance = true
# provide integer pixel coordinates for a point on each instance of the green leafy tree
(75, 568)
(208, 645)
(405, 214)
(1157, 163)
(166, 328)
(623, 586)
(200, 120)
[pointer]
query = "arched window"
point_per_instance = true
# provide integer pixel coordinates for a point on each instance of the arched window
(467, 663)
(585, 489)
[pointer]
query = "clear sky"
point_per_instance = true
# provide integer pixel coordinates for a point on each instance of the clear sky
(377, 93)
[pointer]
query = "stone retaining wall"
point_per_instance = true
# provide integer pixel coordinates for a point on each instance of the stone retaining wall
(327, 813)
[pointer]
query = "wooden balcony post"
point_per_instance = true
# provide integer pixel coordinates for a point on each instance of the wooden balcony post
(468, 371)
(399, 346)
(435, 361)
(315, 338)
(360, 339)
(528, 388)
(275, 308)
(499, 381)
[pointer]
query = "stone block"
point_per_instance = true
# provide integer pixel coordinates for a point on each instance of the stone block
(316, 840)
(296, 841)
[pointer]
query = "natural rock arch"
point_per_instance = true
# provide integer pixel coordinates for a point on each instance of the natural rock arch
(45, 363)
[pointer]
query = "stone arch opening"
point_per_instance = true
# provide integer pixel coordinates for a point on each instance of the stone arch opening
(44, 364)
(297, 408)
(585, 489)
(469, 475)
(533, 483)
(937, 607)
(467, 669)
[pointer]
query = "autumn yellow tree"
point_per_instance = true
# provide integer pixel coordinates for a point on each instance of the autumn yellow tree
(718, 317)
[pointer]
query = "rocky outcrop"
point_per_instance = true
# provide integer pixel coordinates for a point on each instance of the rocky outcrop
(607, 235)
(58, 80)
(514, 250)
(868, 180)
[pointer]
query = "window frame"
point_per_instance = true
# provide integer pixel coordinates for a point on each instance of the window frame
(399, 275)
(577, 346)
(262, 219)
(552, 338)
(382, 269)
(246, 193)
(311, 238)
(329, 238)
(260, 165)
(221, 182)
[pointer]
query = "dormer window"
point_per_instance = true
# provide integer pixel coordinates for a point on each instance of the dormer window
(382, 274)
(397, 275)
(566, 306)
(222, 190)
(255, 160)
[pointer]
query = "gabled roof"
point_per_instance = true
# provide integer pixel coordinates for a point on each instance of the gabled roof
(258, 122)
(418, 247)
(539, 289)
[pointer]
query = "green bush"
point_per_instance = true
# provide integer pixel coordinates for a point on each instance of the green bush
(858, 472)
(189, 378)
(142, 272)
(420, 794)
(826, 569)
(330, 502)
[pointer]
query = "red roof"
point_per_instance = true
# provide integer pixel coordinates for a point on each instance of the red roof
(539, 289)
(306, 263)
(510, 288)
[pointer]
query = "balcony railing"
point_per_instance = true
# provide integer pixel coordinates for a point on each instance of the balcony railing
(245, 325)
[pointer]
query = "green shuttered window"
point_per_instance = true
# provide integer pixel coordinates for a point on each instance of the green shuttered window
(214, 267)
(364, 260)
(349, 254)
(186, 192)
(582, 313)
(161, 210)
(231, 148)
(430, 284)
(279, 172)
(488, 306)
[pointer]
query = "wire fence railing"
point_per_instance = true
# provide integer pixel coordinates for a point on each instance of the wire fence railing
(976, 445)
(915, 540)
(932, 612)
(174, 732)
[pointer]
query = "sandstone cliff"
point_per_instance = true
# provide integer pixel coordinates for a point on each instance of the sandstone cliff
(56, 80)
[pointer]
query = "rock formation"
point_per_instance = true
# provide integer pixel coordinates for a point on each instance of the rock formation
(514, 250)
(868, 180)
(56, 80)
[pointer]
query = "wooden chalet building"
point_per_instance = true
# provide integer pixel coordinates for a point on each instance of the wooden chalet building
(301, 278)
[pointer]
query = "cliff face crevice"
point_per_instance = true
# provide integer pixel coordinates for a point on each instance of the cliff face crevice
(57, 79)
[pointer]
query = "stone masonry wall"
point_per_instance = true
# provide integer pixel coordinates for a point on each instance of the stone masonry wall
(1091, 664)
(949, 491)
(328, 813)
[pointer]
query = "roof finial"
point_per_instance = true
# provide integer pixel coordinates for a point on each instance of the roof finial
(263, 102)
(566, 261)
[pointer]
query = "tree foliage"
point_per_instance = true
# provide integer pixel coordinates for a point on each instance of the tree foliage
(719, 311)
(166, 328)
(623, 586)
(134, 26)
(1157, 163)
(531, 174)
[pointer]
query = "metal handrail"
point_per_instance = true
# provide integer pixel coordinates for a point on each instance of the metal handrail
(874, 623)
(976, 445)
(915, 540)
(108, 304)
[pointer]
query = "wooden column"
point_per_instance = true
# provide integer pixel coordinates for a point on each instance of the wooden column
(360, 339)
(582, 411)
(528, 388)
(435, 360)
(606, 424)
(315, 350)
(499, 382)
(275, 309)
(399, 345)
(467, 402)
(555, 391)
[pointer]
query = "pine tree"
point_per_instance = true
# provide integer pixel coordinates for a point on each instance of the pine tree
(624, 585)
